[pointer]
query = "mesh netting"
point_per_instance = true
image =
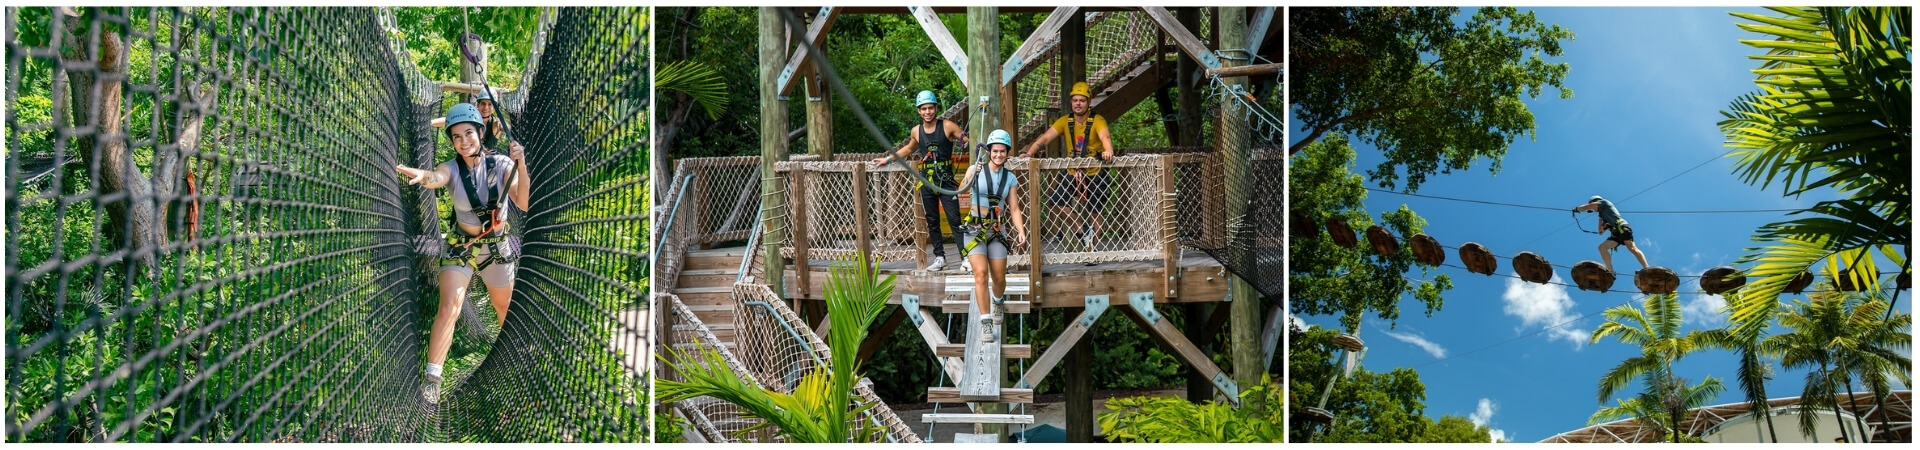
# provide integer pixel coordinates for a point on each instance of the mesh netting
(1252, 245)
(209, 242)
(1117, 42)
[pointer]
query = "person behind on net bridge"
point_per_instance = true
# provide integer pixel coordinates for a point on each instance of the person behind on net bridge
(477, 238)
(484, 101)
(1610, 220)
(936, 137)
(1082, 189)
(995, 201)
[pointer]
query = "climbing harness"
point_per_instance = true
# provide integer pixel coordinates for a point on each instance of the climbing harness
(988, 227)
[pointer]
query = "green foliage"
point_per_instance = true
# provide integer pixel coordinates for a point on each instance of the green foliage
(1841, 337)
(1329, 279)
(1367, 406)
(432, 36)
(1833, 110)
(821, 405)
(1655, 328)
(1433, 92)
(696, 80)
(1173, 419)
(669, 428)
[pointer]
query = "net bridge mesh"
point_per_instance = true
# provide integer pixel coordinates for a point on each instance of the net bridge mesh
(208, 242)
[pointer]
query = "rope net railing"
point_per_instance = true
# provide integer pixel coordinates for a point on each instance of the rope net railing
(1247, 238)
(1115, 43)
(1117, 216)
(208, 241)
(714, 420)
(779, 348)
(729, 193)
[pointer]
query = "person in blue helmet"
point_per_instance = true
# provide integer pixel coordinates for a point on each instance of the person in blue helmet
(935, 138)
(484, 101)
(1622, 234)
(477, 238)
(995, 203)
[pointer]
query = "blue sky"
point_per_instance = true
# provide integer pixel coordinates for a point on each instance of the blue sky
(1648, 87)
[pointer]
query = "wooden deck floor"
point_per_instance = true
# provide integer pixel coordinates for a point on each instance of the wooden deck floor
(1060, 285)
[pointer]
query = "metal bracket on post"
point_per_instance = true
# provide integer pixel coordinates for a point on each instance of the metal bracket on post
(1096, 305)
(1143, 302)
(1227, 385)
(910, 304)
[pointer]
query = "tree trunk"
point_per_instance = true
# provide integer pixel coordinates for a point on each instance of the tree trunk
(1846, 377)
(1835, 404)
(97, 101)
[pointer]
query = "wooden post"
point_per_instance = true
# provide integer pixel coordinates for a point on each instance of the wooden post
(1078, 383)
(861, 219)
(1244, 323)
(773, 144)
(797, 189)
(1036, 214)
(1073, 69)
(983, 73)
(819, 116)
(1189, 84)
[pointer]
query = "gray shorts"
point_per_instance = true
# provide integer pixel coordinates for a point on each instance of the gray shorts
(496, 275)
(995, 249)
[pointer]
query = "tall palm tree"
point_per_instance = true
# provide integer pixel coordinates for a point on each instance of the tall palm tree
(1656, 330)
(1833, 110)
(1753, 371)
(1840, 337)
(821, 408)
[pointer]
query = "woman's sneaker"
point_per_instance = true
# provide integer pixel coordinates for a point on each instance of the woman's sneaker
(986, 329)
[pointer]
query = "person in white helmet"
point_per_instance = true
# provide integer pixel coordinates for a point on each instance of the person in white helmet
(484, 101)
(936, 139)
(476, 239)
(996, 201)
(1610, 220)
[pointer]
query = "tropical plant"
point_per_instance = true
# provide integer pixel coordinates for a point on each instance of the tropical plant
(1753, 371)
(1838, 336)
(1650, 409)
(821, 407)
(698, 81)
(1656, 330)
(1174, 419)
(1833, 110)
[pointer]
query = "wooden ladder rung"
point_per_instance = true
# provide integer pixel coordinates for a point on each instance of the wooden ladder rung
(1010, 351)
(960, 306)
(976, 418)
(952, 395)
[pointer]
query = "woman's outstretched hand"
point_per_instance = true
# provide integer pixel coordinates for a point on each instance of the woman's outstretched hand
(414, 176)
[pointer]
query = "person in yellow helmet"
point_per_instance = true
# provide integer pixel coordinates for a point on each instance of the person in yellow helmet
(1087, 137)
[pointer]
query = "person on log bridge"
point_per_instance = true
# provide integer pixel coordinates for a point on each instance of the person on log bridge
(995, 199)
(477, 240)
(1610, 220)
(935, 138)
(1082, 189)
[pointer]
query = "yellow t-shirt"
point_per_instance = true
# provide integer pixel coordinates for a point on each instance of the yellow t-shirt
(1083, 140)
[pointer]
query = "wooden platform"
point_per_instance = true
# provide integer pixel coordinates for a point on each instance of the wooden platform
(1060, 285)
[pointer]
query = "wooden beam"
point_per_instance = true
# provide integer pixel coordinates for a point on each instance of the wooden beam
(879, 337)
(962, 306)
(976, 418)
(931, 332)
(1244, 71)
(952, 395)
(982, 377)
(803, 271)
(950, 49)
(1069, 338)
(1045, 37)
(1036, 211)
(1018, 351)
(1169, 231)
(1189, 43)
(1163, 331)
(862, 223)
(464, 88)
(1271, 338)
(816, 34)
(1257, 30)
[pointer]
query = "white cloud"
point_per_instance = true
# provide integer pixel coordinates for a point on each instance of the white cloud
(1432, 348)
(1704, 310)
(1295, 322)
(1483, 415)
(1544, 305)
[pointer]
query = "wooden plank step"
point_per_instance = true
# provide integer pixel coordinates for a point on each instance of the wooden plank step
(976, 418)
(713, 290)
(952, 395)
(709, 308)
(961, 306)
(719, 258)
(972, 438)
(1011, 351)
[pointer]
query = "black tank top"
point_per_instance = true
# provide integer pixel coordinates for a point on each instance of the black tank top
(939, 148)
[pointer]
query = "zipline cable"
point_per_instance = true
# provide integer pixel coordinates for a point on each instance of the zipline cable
(1549, 208)
(1636, 194)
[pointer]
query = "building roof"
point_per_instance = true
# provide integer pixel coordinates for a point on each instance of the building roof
(1703, 420)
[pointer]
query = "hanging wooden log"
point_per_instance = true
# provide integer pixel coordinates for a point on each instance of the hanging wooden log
(1721, 279)
(1656, 280)
(1799, 283)
(1592, 276)
(1382, 241)
(1349, 342)
(1427, 250)
(1302, 226)
(1532, 267)
(1845, 282)
(1478, 259)
(1341, 233)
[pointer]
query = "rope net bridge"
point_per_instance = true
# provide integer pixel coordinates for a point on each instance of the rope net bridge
(209, 243)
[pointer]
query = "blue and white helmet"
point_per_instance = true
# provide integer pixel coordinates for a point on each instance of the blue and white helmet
(1000, 137)
(925, 97)
(464, 112)
(1594, 199)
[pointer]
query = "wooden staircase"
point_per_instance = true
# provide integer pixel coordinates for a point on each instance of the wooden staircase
(706, 287)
